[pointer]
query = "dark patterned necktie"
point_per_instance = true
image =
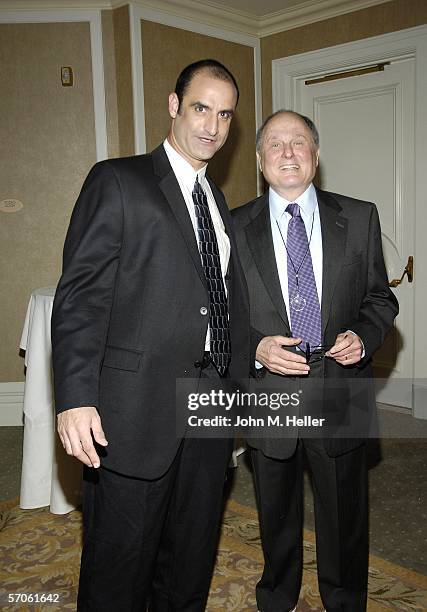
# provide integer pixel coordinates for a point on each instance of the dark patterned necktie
(220, 346)
(306, 322)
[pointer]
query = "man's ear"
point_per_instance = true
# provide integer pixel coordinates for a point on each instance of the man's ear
(317, 157)
(258, 157)
(173, 105)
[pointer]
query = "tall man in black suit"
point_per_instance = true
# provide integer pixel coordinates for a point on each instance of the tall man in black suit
(152, 290)
(316, 277)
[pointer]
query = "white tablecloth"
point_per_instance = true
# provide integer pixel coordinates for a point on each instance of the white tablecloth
(49, 475)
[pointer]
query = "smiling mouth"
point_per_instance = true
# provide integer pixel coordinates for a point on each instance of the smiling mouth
(289, 167)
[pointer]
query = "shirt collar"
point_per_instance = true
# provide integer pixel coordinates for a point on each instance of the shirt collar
(307, 201)
(182, 168)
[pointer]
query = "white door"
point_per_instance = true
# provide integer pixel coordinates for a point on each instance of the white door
(366, 126)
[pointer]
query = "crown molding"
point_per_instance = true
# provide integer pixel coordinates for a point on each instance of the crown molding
(211, 13)
(206, 12)
(308, 12)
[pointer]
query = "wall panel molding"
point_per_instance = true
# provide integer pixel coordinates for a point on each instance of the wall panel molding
(94, 19)
(136, 14)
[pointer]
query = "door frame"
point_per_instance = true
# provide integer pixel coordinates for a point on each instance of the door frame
(409, 43)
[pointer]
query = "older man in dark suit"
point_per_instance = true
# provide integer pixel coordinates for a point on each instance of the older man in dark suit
(320, 307)
(152, 291)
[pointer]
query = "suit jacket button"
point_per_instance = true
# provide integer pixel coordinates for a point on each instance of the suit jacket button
(197, 364)
(203, 310)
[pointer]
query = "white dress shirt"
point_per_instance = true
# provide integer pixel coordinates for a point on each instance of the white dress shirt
(186, 177)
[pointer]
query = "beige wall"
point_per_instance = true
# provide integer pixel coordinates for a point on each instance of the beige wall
(387, 17)
(47, 145)
(118, 82)
(110, 80)
(165, 52)
(124, 80)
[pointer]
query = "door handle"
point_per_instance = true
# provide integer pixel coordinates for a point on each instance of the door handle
(408, 271)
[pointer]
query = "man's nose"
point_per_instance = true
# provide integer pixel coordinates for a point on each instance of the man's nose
(288, 150)
(211, 125)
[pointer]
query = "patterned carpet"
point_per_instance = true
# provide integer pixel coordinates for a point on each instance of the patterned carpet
(40, 554)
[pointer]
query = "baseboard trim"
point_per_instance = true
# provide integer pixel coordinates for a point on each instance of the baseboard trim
(11, 404)
(420, 398)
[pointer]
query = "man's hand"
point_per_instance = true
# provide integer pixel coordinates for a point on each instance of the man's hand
(74, 429)
(347, 349)
(274, 357)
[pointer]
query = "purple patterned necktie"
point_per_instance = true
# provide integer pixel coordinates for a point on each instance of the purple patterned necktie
(220, 346)
(306, 322)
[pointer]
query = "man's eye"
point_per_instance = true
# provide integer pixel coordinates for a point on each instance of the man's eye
(275, 145)
(225, 115)
(298, 143)
(199, 109)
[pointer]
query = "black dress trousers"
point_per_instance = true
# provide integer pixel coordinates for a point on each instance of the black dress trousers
(151, 544)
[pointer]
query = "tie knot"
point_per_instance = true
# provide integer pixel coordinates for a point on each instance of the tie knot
(197, 186)
(293, 209)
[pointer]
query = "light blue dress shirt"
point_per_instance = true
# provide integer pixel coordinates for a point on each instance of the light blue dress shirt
(279, 218)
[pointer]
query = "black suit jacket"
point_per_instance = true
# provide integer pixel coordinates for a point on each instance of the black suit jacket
(129, 314)
(355, 296)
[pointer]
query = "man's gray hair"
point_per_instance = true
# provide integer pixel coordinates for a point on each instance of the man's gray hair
(307, 121)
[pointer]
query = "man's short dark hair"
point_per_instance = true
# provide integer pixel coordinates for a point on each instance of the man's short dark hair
(309, 123)
(213, 67)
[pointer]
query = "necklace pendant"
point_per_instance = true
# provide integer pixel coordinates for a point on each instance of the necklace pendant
(298, 302)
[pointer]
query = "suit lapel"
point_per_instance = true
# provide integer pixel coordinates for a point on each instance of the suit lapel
(260, 241)
(172, 192)
(334, 237)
